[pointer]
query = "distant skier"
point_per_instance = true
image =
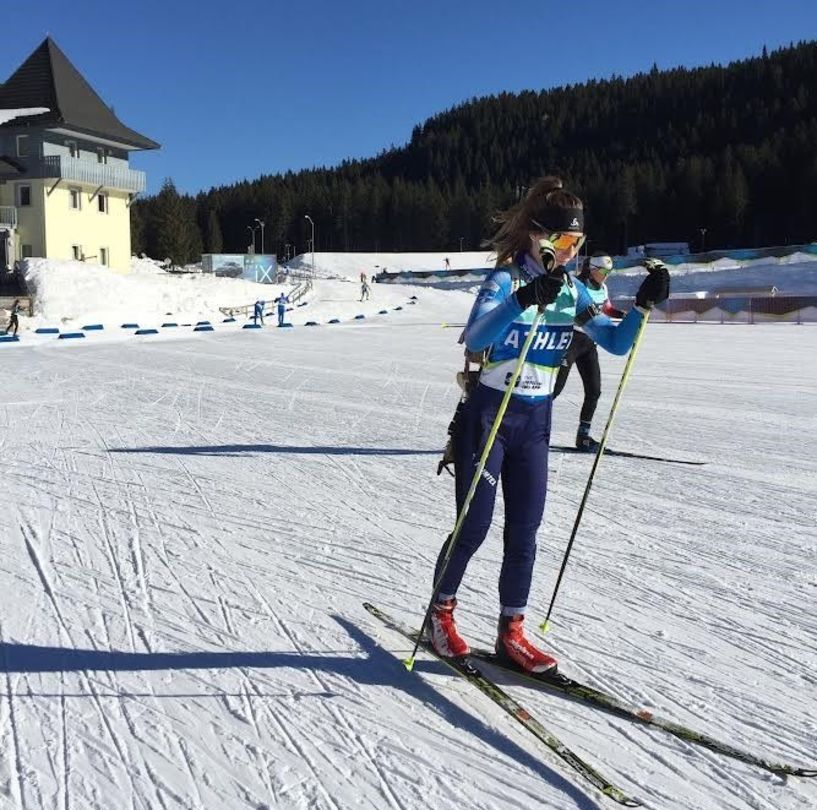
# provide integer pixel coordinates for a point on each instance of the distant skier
(583, 352)
(258, 312)
(13, 318)
(447, 263)
(536, 238)
(281, 301)
(364, 290)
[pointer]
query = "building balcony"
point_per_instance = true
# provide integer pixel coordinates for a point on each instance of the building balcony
(75, 170)
(8, 216)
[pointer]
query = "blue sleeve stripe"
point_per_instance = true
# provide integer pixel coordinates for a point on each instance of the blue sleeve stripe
(616, 339)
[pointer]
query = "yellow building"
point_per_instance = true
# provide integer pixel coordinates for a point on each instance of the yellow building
(65, 183)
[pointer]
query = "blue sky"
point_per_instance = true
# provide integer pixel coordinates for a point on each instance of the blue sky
(237, 89)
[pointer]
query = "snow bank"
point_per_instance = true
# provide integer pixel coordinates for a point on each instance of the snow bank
(70, 292)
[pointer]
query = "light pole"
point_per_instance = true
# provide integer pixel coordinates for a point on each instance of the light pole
(251, 229)
(461, 238)
(306, 216)
(286, 252)
(703, 239)
(261, 223)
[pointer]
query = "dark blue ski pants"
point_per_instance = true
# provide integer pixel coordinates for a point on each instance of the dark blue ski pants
(518, 459)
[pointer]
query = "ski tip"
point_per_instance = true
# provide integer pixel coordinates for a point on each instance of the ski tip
(408, 663)
(805, 772)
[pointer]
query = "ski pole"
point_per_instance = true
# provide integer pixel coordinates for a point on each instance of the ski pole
(489, 443)
(545, 625)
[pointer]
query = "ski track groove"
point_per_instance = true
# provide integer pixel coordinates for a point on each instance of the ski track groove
(16, 781)
(391, 797)
(106, 723)
(65, 781)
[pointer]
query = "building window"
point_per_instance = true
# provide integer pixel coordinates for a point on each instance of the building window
(28, 251)
(102, 203)
(76, 253)
(23, 146)
(73, 149)
(24, 195)
(103, 256)
(101, 155)
(75, 198)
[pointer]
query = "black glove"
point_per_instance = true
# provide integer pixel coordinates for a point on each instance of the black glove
(655, 288)
(542, 291)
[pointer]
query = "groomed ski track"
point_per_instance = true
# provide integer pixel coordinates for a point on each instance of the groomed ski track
(189, 529)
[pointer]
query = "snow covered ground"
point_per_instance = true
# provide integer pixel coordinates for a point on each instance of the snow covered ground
(190, 526)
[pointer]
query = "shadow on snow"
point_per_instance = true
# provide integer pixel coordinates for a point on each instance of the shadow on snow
(378, 667)
(239, 449)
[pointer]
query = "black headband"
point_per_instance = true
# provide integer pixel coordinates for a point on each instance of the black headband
(555, 219)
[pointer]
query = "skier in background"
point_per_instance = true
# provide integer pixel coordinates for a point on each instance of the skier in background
(536, 238)
(364, 290)
(583, 352)
(282, 301)
(258, 312)
(14, 322)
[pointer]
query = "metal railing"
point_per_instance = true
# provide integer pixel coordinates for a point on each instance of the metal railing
(245, 309)
(83, 171)
(300, 291)
(8, 216)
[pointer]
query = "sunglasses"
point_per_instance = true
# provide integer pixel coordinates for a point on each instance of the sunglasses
(602, 265)
(567, 241)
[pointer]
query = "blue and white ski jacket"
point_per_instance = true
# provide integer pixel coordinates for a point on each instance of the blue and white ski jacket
(497, 323)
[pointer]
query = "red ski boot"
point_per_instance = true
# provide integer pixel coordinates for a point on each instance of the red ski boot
(512, 645)
(445, 639)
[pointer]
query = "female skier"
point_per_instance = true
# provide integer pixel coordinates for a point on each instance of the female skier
(582, 351)
(536, 238)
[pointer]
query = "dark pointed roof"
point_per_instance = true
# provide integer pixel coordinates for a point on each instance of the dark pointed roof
(48, 79)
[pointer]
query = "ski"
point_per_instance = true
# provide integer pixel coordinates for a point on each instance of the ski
(465, 669)
(602, 700)
(561, 448)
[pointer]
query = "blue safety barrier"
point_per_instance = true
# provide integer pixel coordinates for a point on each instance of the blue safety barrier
(334, 320)
(130, 326)
(359, 317)
(9, 339)
(311, 323)
(147, 332)
(204, 328)
(47, 330)
(70, 335)
(383, 312)
(169, 324)
(93, 327)
(251, 326)
(203, 323)
(228, 320)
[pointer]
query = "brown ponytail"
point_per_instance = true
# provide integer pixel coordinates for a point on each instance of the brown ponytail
(520, 220)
